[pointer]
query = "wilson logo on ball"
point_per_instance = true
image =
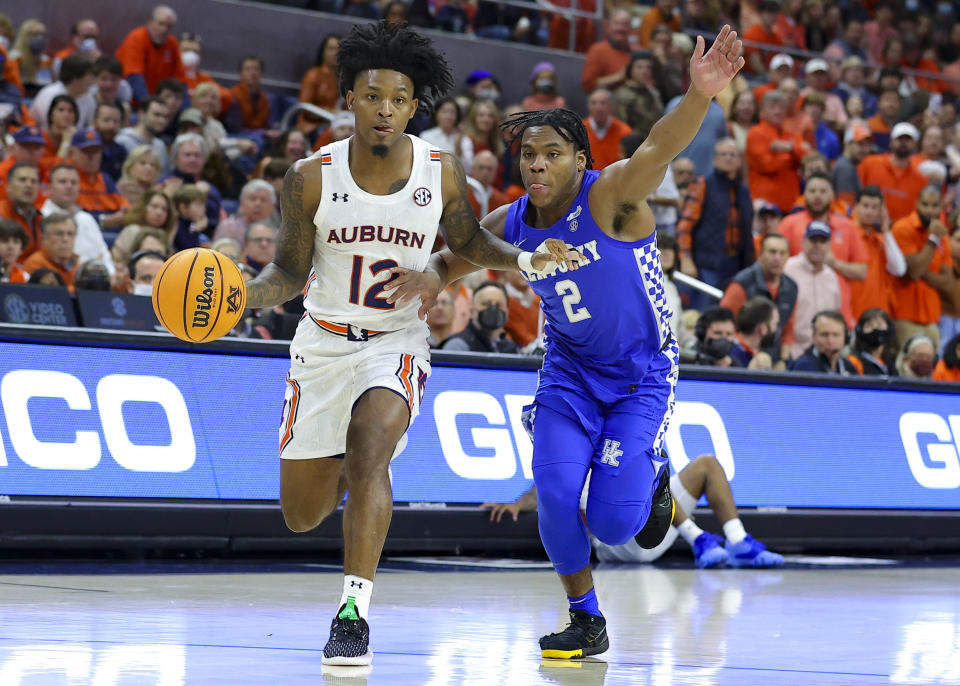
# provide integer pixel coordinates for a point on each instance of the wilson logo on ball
(201, 315)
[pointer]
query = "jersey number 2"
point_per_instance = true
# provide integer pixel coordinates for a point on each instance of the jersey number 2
(570, 293)
(373, 297)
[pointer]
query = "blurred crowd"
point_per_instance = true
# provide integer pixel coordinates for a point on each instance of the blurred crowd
(813, 224)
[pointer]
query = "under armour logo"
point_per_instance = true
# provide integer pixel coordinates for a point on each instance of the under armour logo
(611, 451)
(299, 358)
(340, 196)
(356, 584)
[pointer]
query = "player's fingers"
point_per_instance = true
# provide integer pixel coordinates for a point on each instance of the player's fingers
(698, 50)
(514, 513)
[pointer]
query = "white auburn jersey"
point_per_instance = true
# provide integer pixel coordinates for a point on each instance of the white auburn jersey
(361, 236)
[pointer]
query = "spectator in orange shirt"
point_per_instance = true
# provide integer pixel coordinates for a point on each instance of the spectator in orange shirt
(900, 182)
(815, 163)
(948, 368)
(781, 67)
(191, 53)
(773, 155)
(543, 86)
(23, 187)
(151, 53)
(603, 129)
(922, 238)
(251, 107)
(28, 144)
(847, 256)
(762, 33)
(83, 41)
(605, 65)
(319, 85)
(484, 170)
(98, 192)
(886, 261)
(13, 239)
(882, 123)
(523, 308)
(665, 12)
(797, 120)
(56, 249)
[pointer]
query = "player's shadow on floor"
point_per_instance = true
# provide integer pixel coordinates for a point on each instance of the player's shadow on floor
(588, 672)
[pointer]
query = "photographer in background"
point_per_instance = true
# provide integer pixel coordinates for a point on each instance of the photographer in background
(716, 334)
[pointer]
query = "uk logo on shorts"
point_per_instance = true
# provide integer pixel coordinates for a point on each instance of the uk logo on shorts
(611, 453)
(422, 196)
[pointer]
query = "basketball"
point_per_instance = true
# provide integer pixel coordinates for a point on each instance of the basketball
(199, 295)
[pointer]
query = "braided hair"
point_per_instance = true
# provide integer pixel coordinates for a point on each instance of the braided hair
(566, 123)
(399, 48)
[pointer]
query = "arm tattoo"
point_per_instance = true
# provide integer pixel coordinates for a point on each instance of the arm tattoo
(465, 236)
(285, 276)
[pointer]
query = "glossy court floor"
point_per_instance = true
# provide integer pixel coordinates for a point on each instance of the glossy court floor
(877, 623)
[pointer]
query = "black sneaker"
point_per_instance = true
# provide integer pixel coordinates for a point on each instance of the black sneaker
(661, 514)
(349, 642)
(585, 635)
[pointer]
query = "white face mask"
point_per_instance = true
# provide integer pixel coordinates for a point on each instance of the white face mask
(190, 58)
(143, 289)
(5, 42)
(88, 45)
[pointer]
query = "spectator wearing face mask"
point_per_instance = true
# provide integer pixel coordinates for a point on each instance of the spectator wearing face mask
(543, 84)
(92, 276)
(191, 53)
(874, 345)
(144, 266)
(916, 359)
(823, 356)
(948, 368)
(83, 42)
(485, 331)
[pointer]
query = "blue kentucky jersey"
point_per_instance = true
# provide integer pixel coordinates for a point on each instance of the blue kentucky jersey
(608, 318)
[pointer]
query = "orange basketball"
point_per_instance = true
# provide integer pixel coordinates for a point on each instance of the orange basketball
(199, 295)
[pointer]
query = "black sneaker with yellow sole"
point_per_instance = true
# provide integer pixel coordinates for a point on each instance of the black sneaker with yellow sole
(661, 514)
(585, 635)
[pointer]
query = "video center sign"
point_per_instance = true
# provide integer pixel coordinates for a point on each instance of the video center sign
(83, 421)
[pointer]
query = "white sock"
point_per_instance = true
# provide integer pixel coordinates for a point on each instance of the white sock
(734, 531)
(689, 531)
(358, 590)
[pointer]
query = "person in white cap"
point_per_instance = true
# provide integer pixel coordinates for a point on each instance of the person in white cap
(818, 77)
(893, 172)
(781, 67)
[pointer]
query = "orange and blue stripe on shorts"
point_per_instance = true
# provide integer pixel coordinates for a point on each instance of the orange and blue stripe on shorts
(405, 374)
(291, 413)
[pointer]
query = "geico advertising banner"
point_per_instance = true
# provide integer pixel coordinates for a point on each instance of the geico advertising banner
(127, 423)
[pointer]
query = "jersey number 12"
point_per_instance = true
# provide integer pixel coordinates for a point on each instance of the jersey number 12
(373, 297)
(570, 293)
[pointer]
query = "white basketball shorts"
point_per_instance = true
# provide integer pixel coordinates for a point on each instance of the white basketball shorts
(330, 370)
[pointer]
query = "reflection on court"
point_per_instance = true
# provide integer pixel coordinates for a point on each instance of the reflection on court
(668, 627)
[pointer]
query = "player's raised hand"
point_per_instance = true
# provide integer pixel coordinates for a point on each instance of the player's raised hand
(557, 252)
(711, 72)
(407, 284)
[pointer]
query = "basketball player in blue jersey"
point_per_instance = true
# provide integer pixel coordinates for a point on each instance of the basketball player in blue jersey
(358, 363)
(606, 390)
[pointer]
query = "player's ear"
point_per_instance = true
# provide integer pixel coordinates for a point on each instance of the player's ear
(581, 160)
(416, 105)
(349, 98)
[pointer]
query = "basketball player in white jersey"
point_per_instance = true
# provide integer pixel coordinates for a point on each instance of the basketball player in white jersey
(352, 212)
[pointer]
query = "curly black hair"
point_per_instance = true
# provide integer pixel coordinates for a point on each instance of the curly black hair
(396, 47)
(565, 122)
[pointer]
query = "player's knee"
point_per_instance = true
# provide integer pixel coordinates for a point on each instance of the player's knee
(615, 524)
(557, 498)
(299, 521)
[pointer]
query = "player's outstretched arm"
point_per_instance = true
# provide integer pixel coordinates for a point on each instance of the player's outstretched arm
(470, 241)
(284, 278)
(709, 74)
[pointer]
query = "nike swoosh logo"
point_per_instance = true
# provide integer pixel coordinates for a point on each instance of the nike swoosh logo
(522, 241)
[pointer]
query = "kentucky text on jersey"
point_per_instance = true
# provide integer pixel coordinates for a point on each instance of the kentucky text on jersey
(588, 255)
(369, 234)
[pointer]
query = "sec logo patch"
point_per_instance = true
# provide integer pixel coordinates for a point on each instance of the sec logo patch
(422, 197)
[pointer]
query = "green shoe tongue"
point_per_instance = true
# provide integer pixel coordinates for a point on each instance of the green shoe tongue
(349, 610)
